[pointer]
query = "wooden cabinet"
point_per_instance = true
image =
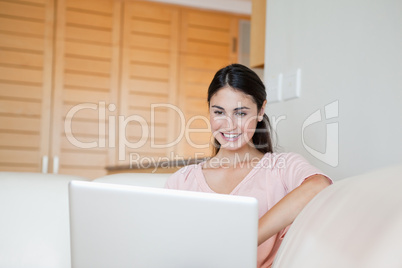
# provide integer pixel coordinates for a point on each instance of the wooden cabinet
(148, 81)
(86, 69)
(208, 42)
(26, 47)
(88, 84)
(257, 39)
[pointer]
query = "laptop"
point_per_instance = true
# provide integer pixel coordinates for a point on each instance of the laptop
(129, 226)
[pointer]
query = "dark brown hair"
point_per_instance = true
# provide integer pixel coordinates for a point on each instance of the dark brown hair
(243, 79)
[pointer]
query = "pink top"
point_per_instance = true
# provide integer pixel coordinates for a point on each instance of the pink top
(275, 175)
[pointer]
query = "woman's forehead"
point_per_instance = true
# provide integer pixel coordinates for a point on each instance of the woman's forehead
(230, 97)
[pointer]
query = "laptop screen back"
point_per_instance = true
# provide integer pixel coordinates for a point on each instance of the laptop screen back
(129, 226)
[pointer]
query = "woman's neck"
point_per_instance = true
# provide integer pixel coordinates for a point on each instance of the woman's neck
(244, 154)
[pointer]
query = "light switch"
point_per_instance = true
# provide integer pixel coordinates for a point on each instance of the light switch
(274, 88)
(291, 85)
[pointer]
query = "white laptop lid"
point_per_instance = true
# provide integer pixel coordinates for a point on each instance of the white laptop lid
(129, 226)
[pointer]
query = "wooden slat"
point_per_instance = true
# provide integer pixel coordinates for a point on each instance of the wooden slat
(145, 86)
(22, 42)
(219, 50)
(159, 115)
(20, 107)
(198, 122)
(134, 132)
(19, 157)
(198, 76)
(151, 27)
(21, 58)
(212, 64)
(22, 10)
(91, 35)
(18, 168)
(82, 159)
(87, 50)
(87, 65)
(86, 19)
(150, 71)
(22, 27)
(102, 6)
(67, 145)
(209, 19)
(147, 56)
(84, 128)
(145, 101)
(19, 140)
(197, 107)
(20, 91)
(154, 42)
(20, 124)
(38, 2)
(208, 35)
(197, 91)
(21, 74)
(86, 111)
(151, 11)
(84, 96)
(199, 137)
(81, 80)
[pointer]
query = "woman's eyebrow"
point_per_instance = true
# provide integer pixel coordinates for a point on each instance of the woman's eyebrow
(216, 106)
(235, 109)
(241, 108)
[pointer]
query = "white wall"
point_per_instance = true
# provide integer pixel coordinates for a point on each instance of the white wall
(350, 52)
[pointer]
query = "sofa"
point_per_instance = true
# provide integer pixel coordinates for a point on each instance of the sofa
(356, 222)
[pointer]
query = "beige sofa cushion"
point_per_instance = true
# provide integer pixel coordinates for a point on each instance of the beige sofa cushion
(356, 222)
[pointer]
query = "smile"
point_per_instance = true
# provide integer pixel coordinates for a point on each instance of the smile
(230, 136)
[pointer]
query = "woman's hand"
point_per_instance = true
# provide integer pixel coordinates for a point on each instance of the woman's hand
(286, 210)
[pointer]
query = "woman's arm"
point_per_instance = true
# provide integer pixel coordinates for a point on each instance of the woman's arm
(285, 211)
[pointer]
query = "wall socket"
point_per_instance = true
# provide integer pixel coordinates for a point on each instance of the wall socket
(291, 85)
(274, 88)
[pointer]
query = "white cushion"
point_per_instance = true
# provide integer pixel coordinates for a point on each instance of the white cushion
(356, 222)
(34, 224)
(156, 180)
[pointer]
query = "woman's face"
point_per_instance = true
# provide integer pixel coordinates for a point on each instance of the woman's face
(233, 118)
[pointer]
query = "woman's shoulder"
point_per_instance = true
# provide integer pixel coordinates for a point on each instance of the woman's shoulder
(280, 160)
(182, 175)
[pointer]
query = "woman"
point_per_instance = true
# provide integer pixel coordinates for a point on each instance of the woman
(244, 162)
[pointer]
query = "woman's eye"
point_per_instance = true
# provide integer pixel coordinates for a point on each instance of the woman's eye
(218, 112)
(240, 114)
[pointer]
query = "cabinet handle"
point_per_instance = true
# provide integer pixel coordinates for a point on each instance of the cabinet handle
(234, 45)
(45, 162)
(55, 164)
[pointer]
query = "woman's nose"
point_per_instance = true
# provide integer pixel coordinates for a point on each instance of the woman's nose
(230, 123)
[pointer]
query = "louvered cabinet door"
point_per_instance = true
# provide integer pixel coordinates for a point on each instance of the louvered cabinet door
(85, 86)
(26, 47)
(149, 83)
(208, 43)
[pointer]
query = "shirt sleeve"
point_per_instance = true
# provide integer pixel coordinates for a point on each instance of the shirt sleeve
(296, 170)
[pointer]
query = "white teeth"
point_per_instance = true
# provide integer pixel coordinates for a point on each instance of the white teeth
(230, 136)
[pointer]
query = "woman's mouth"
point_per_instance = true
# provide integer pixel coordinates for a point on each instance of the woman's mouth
(230, 136)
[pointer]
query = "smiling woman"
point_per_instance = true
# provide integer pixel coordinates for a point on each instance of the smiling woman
(244, 162)
(237, 100)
